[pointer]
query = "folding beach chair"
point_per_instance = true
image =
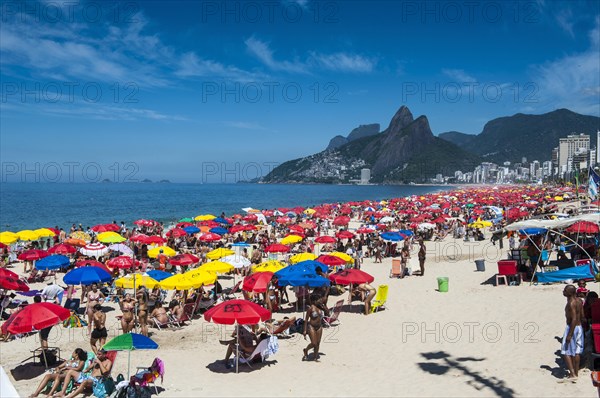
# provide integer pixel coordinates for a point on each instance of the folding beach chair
(150, 375)
(380, 298)
(263, 350)
(396, 271)
(329, 320)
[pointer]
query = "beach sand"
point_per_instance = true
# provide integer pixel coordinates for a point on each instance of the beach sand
(477, 340)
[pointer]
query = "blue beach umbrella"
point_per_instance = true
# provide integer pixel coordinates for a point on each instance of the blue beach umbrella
(529, 231)
(191, 230)
(86, 276)
(218, 230)
(158, 275)
(301, 268)
(221, 220)
(303, 279)
(241, 244)
(54, 262)
(392, 236)
(129, 342)
(406, 232)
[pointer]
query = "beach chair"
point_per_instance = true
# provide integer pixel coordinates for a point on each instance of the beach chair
(507, 270)
(396, 271)
(380, 299)
(337, 308)
(188, 314)
(164, 325)
(263, 350)
(149, 375)
(230, 295)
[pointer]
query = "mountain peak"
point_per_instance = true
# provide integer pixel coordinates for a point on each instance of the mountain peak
(364, 130)
(401, 119)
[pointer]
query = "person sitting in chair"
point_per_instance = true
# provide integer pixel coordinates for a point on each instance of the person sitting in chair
(160, 315)
(56, 375)
(98, 369)
(247, 343)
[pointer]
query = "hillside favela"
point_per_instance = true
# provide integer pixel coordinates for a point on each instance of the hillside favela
(299, 198)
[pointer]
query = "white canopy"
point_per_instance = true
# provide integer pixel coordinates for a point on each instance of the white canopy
(553, 224)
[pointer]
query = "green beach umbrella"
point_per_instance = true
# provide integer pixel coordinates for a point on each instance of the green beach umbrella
(129, 342)
(110, 237)
(187, 219)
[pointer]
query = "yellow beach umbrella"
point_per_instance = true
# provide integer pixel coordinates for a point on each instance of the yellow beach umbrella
(343, 256)
(268, 266)
(8, 238)
(200, 277)
(219, 253)
(166, 250)
(81, 235)
(28, 234)
(288, 240)
(477, 224)
(297, 258)
(110, 237)
(205, 217)
(216, 266)
(44, 233)
(127, 282)
(558, 198)
(310, 211)
(186, 282)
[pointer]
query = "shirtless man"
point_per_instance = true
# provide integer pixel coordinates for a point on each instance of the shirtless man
(160, 314)
(100, 367)
(142, 299)
(99, 333)
(572, 343)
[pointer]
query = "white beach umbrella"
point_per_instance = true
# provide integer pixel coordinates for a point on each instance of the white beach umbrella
(94, 250)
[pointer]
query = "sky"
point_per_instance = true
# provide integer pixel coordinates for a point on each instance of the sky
(213, 91)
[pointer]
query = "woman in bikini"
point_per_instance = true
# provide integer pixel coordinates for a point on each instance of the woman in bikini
(313, 326)
(127, 306)
(56, 375)
(142, 301)
(94, 296)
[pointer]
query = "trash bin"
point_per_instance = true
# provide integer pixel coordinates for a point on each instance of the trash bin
(480, 264)
(443, 284)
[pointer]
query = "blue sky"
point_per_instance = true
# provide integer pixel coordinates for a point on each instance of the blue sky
(211, 91)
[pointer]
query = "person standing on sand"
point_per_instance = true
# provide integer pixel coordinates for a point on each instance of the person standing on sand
(314, 328)
(422, 254)
(572, 342)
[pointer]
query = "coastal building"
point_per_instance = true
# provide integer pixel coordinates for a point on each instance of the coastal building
(598, 146)
(567, 147)
(365, 176)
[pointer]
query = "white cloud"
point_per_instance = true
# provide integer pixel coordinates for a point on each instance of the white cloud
(263, 52)
(459, 75)
(564, 18)
(343, 62)
(190, 65)
(244, 125)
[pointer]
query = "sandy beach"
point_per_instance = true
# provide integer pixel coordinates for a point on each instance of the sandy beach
(477, 340)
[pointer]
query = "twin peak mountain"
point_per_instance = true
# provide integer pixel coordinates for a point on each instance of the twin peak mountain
(407, 151)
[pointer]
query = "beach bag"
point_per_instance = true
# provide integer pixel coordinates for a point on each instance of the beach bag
(138, 392)
(74, 321)
(103, 387)
(48, 357)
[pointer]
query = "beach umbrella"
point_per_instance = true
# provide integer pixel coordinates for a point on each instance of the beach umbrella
(8, 238)
(241, 244)
(237, 312)
(124, 262)
(92, 263)
(218, 230)
(167, 251)
(44, 233)
(106, 228)
(134, 280)
(277, 248)
(210, 237)
(27, 235)
(221, 220)
(62, 248)
(191, 230)
(129, 342)
(268, 266)
(154, 240)
(201, 277)
(297, 258)
(145, 223)
(121, 248)
(187, 219)
(345, 235)
(341, 220)
(216, 266)
(139, 238)
(291, 239)
(365, 230)
(32, 255)
(177, 233)
(36, 317)
(584, 227)
(392, 236)
(257, 282)
(343, 256)
(303, 279)
(237, 261)
(110, 237)
(205, 217)
(94, 250)
(86, 276)
(75, 242)
(219, 253)
(184, 259)
(325, 239)
(10, 281)
(158, 275)
(54, 262)
(331, 261)
(188, 280)
(351, 277)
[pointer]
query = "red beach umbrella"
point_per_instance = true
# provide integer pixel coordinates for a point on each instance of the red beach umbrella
(241, 312)
(210, 237)
(37, 317)
(584, 227)
(32, 255)
(10, 281)
(345, 235)
(62, 248)
(184, 259)
(176, 233)
(122, 262)
(330, 261)
(341, 220)
(154, 240)
(106, 228)
(257, 282)
(351, 277)
(277, 248)
(92, 263)
(5, 273)
(139, 238)
(325, 239)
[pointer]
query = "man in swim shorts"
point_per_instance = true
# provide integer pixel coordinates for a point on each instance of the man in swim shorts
(572, 342)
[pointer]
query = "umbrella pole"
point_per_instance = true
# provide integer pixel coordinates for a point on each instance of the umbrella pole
(237, 347)
(128, 364)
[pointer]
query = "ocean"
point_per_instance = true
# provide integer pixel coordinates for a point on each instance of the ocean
(32, 206)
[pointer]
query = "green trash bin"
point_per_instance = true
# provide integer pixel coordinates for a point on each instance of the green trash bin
(443, 284)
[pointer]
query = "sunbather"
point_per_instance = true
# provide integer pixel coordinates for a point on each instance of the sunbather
(160, 315)
(56, 375)
(313, 327)
(247, 344)
(276, 327)
(99, 368)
